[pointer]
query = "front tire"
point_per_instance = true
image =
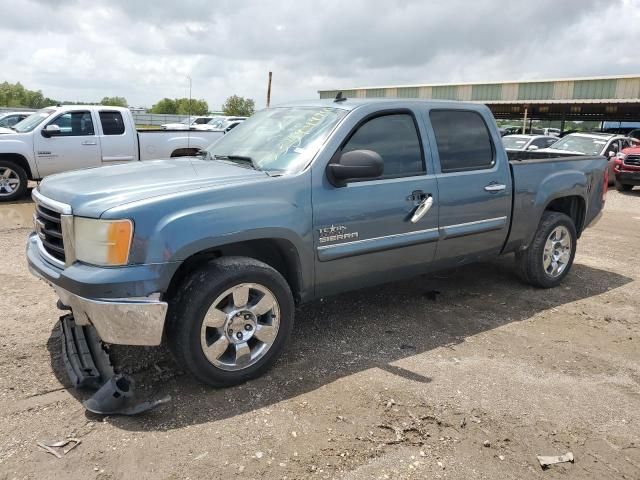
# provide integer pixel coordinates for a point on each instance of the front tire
(230, 320)
(13, 181)
(550, 256)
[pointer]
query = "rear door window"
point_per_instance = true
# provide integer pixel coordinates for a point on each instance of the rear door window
(463, 140)
(112, 123)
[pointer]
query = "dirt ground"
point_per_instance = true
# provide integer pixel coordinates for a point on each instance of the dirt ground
(391, 382)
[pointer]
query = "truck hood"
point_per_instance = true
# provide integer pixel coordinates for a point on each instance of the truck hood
(92, 191)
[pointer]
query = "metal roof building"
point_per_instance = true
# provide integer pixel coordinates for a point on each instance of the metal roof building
(596, 98)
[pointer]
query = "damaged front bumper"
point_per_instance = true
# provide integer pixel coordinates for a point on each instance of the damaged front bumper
(130, 321)
(125, 319)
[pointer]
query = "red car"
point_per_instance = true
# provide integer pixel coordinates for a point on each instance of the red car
(626, 168)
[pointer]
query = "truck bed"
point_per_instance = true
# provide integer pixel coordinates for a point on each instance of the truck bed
(155, 144)
(538, 178)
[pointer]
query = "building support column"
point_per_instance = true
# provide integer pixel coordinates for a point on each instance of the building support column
(524, 122)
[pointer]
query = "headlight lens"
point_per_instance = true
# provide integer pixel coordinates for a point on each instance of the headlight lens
(103, 242)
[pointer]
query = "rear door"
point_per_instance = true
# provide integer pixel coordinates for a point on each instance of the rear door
(116, 138)
(474, 184)
(363, 232)
(75, 146)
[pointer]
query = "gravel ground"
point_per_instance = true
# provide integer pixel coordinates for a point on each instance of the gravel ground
(391, 382)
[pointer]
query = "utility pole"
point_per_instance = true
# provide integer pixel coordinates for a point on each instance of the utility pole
(269, 91)
(189, 112)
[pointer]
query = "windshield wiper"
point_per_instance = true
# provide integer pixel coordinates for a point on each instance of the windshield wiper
(238, 159)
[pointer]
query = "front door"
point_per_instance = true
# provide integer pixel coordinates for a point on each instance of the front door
(75, 146)
(474, 183)
(363, 232)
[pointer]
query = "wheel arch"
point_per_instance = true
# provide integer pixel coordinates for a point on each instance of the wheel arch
(19, 160)
(574, 206)
(278, 253)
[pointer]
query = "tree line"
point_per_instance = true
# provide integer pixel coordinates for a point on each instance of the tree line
(15, 95)
(234, 105)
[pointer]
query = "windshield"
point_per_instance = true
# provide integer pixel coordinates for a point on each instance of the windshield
(32, 121)
(279, 139)
(585, 145)
(216, 122)
(515, 143)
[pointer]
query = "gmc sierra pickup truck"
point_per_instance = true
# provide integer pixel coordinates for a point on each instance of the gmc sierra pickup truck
(211, 253)
(58, 139)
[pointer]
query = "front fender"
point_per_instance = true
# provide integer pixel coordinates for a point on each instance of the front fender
(13, 144)
(171, 229)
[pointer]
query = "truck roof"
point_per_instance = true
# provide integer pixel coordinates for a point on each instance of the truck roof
(89, 107)
(352, 103)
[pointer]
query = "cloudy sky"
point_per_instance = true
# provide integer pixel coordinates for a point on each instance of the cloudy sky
(85, 50)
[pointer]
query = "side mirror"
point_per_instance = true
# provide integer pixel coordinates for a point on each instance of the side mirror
(50, 131)
(532, 147)
(355, 165)
(611, 153)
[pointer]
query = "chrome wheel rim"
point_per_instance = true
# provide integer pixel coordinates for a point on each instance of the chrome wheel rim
(240, 326)
(9, 181)
(557, 251)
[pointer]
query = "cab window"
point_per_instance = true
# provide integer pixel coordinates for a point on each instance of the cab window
(394, 137)
(74, 124)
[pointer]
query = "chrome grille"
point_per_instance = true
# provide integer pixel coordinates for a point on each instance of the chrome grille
(49, 228)
(633, 160)
(53, 223)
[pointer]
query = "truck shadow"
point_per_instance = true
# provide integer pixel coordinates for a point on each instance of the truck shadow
(351, 333)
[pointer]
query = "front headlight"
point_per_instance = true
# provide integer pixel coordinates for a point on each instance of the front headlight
(103, 242)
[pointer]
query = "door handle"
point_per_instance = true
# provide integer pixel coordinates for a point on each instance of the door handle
(422, 209)
(495, 187)
(89, 142)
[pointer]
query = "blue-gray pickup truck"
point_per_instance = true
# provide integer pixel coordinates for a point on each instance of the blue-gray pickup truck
(211, 253)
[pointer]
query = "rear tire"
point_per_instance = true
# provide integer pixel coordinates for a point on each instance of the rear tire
(623, 187)
(230, 320)
(550, 255)
(13, 181)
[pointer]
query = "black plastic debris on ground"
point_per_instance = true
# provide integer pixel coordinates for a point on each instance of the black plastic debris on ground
(85, 359)
(89, 366)
(116, 397)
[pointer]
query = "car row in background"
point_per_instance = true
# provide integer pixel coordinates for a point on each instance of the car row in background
(547, 132)
(9, 119)
(221, 124)
(605, 144)
(527, 142)
(209, 123)
(186, 124)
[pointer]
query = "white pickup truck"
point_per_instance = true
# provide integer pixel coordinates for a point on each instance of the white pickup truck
(71, 137)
